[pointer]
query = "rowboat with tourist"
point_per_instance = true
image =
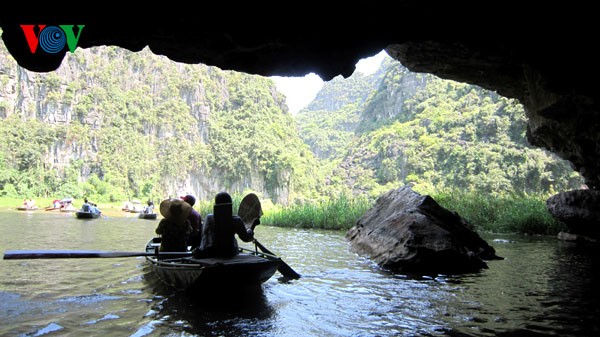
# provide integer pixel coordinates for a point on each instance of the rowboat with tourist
(184, 272)
(28, 205)
(191, 271)
(88, 210)
(62, 205)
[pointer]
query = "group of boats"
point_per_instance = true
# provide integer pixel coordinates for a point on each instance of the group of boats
(135, 206)
(62, 205)
(66, 205)
(182, 271)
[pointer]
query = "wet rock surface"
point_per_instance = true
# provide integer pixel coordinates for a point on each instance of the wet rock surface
(412, 233)
(579, 210)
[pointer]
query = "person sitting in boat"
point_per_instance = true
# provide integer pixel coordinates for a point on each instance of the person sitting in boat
(149, 209)
(29, 203)
(94, 208)
(174, 229)
(219, 229)
(195, 221)
(86, 207)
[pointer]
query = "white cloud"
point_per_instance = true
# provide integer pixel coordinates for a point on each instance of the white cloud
(299, 91)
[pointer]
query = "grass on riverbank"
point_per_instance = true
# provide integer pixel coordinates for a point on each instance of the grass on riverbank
(499, 214)
(502, 214)
(339, 214)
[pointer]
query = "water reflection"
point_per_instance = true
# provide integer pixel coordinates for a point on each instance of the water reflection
(573, 287)
(208, 312)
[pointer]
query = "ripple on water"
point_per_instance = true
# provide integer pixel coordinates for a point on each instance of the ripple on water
(52, 327)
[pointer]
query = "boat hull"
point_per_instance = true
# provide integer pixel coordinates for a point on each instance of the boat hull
(25, 208)
(87, 215)
(148, 216)
(248, 268)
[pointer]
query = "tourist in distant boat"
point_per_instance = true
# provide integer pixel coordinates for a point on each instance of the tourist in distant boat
(29, 204)
(94, 208)
(219, 229)
(195, 221)
(149, 208)
(86, 207)
(174, 229)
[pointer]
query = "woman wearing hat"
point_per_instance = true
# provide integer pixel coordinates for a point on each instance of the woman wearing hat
(220, 228)
(174, 228)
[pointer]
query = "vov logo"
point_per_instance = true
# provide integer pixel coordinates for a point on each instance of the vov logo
(52, 39)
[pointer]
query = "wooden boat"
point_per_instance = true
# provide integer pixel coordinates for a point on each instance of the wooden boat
(86, 215)
(68, 208)
(136, 207)
(184, 272)
(26, 208)
(149, 216)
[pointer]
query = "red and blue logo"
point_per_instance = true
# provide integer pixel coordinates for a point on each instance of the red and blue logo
(52, 39)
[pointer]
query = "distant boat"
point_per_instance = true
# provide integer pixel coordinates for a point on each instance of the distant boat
(27, 208)
(64, 205)
(86, 215)
(148, 216)
(136, 207)
(68, 208)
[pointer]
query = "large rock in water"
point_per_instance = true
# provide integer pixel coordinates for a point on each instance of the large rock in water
(579, 210)
(408, 232)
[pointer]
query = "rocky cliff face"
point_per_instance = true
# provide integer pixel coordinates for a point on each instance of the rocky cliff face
(556, 90)
(104, 87)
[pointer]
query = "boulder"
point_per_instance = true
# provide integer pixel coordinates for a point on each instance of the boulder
(579, 210)
(411, 233)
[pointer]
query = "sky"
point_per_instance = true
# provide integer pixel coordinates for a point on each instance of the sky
(300, 91)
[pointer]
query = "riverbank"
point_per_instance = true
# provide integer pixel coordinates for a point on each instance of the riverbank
(495, 214)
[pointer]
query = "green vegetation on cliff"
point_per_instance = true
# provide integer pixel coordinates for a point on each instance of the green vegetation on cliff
(115, 125)
(437, 135)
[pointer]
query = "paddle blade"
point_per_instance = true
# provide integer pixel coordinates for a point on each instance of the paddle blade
(283, 268)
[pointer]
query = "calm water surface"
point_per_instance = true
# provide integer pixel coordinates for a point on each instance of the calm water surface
(544, 287)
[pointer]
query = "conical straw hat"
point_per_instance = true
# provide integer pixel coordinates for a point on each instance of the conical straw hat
(250, 209)
(175, 210)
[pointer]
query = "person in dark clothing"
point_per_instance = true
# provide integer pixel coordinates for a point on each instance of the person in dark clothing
(220, 228)
(86, 207)
(149, 209)
(174, 228)
(195, 221)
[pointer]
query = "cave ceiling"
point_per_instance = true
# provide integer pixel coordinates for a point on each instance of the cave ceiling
(488, 43)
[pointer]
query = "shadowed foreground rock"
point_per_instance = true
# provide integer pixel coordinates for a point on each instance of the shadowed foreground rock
(579, 210)
(408, 232)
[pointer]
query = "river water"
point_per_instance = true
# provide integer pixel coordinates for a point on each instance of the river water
(543, 287)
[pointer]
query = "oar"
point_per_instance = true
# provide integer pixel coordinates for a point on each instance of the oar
(283, 268)
(79, 254)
